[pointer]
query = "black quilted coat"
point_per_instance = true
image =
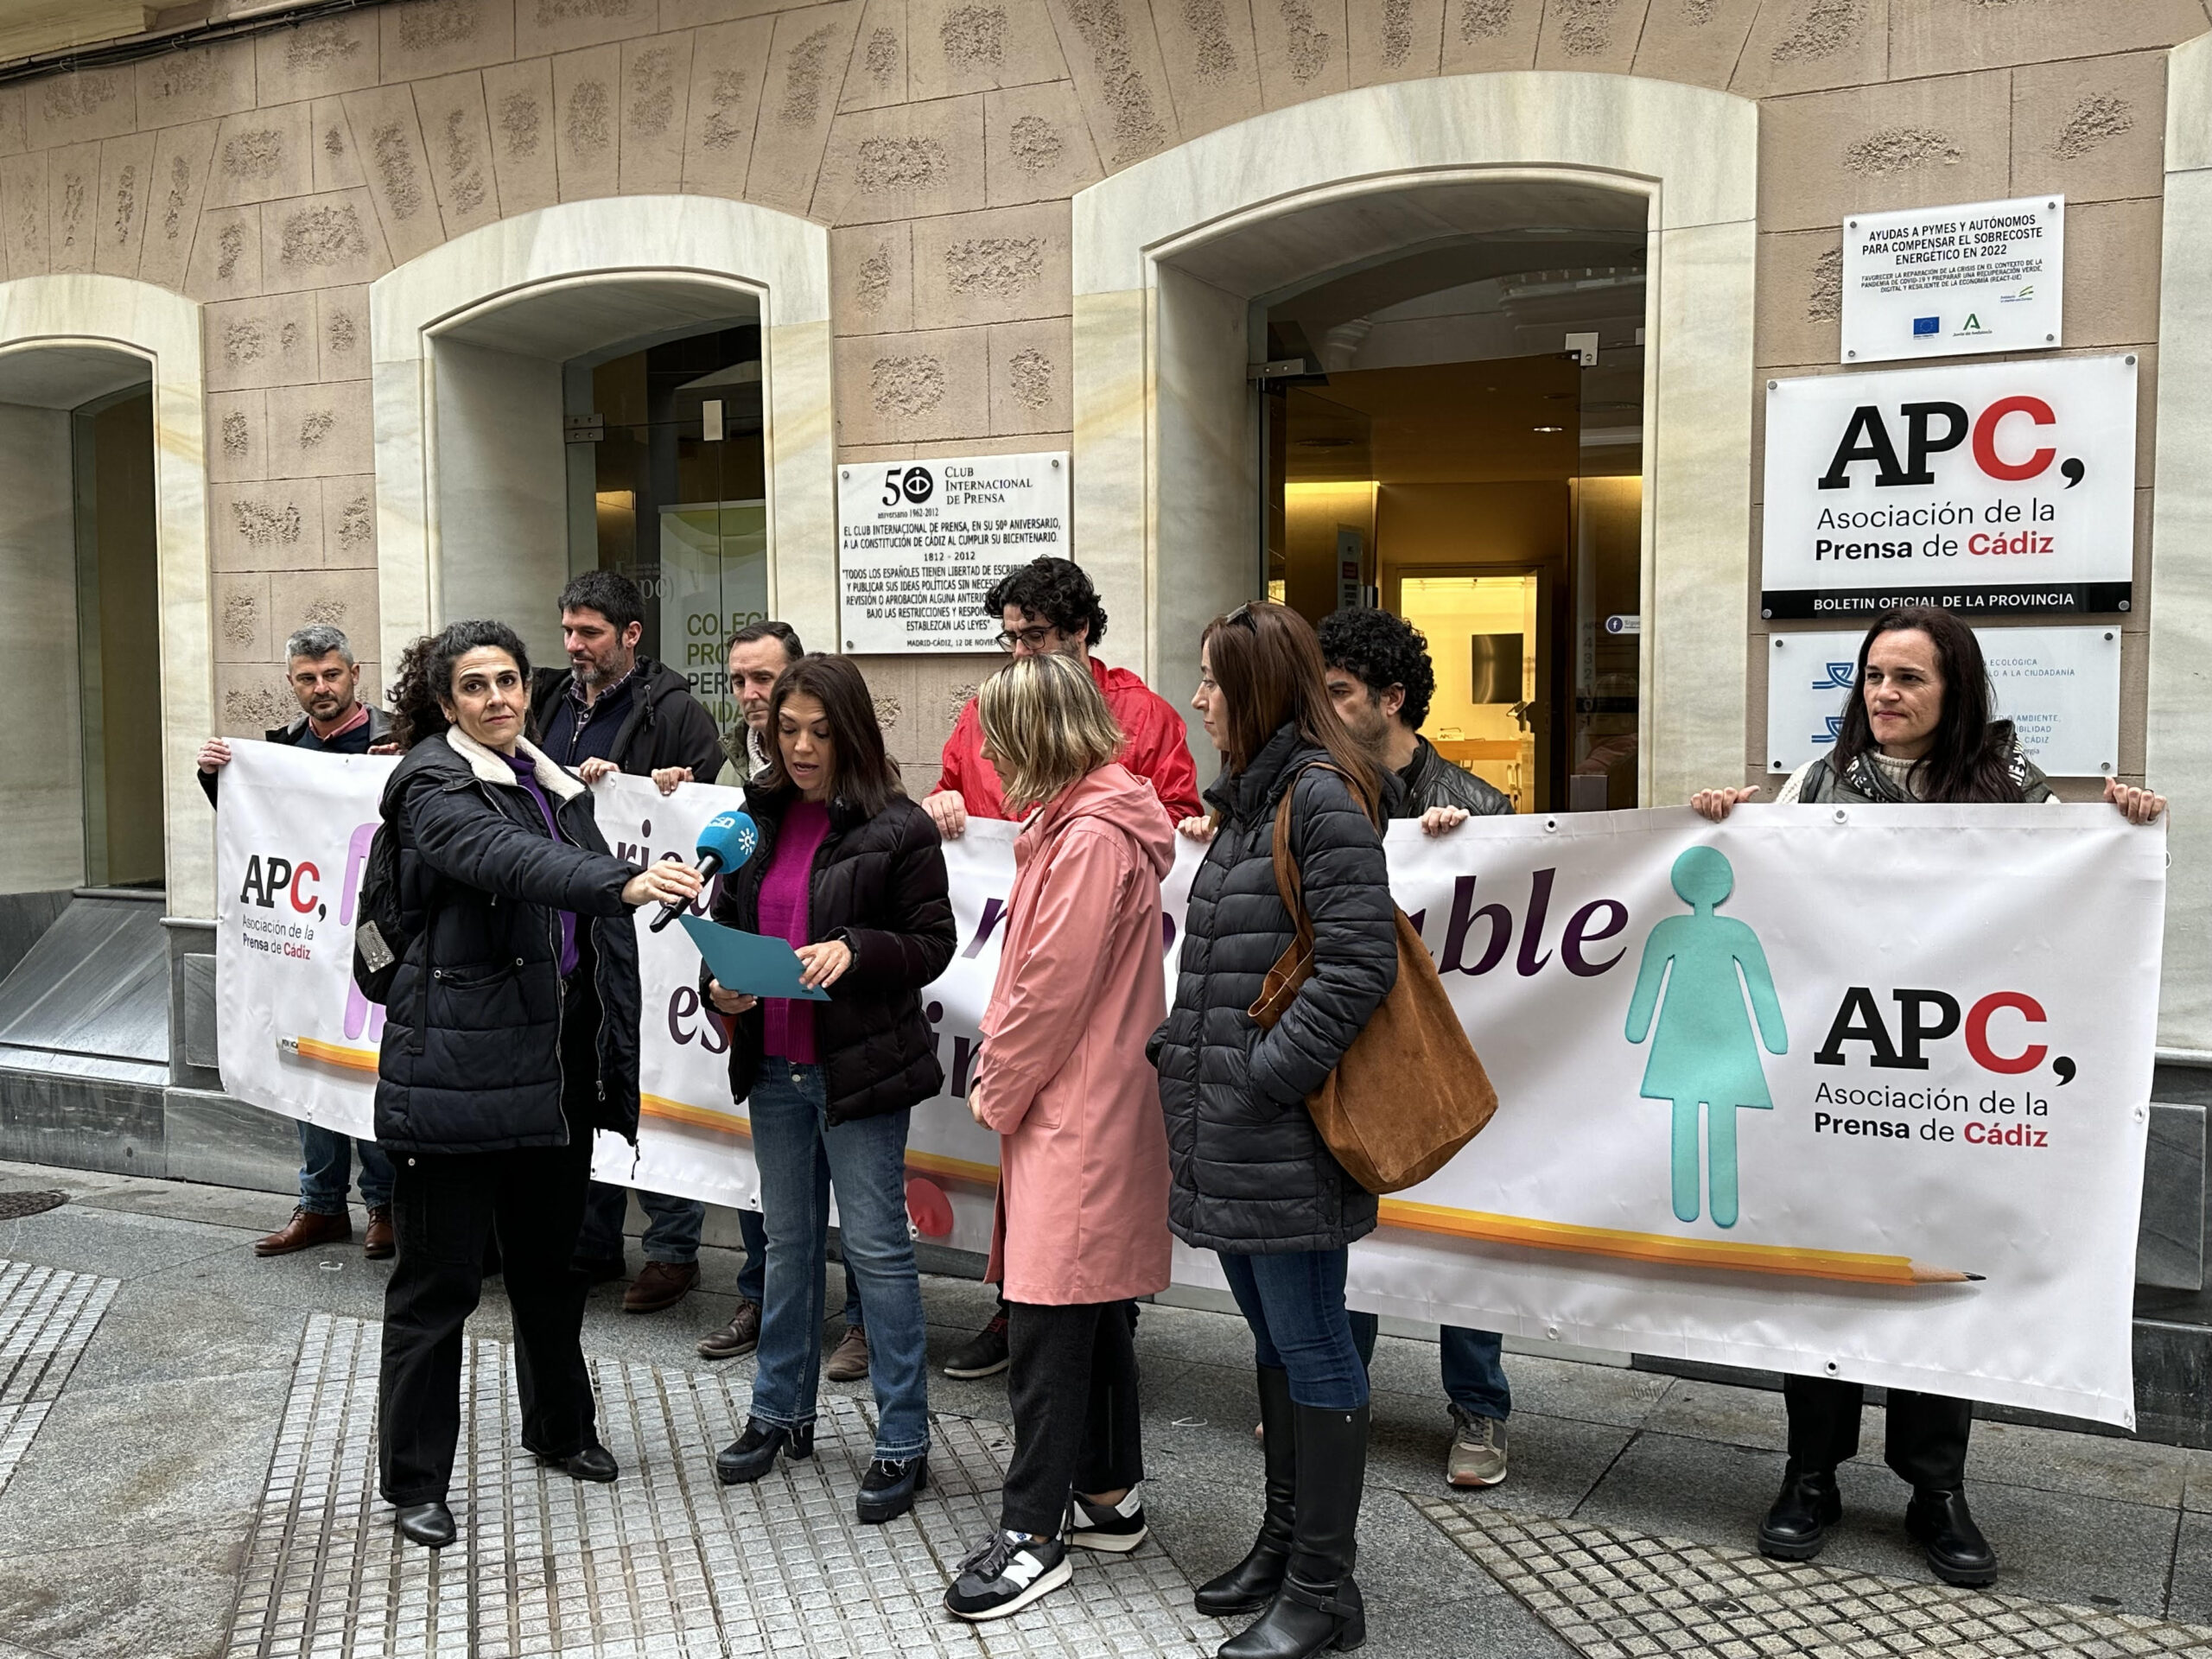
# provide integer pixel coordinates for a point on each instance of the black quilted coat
(1251, 1175)
(878, 884)
(472, 1059)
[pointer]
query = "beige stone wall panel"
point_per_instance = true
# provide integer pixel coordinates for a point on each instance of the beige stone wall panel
(907, 163)
(1394, 40)
(457, 133)
(1212, 60)
(543, 26)
(72, 193)
(260, 342)
(2112, 275)
(198, 85)
(1301, 49)
(1036, 145)
(174, 190)
(693, 14)
(1481, 36)
(1003, 265)
(341, 333)
(979, 46)
(321, 431)
(75, 109)
(316, 241)
(1033, 378)
(587, 122)
(656, 100)
(250, 697)
(11, 120)
(807, 54)
(877, 74)
(1933, 37)
(2092, 129)
(872, 279)
(342, 598)
(265, 526)
(263, 155)
(1802, 46)
(441, 37)
(916, 388)
(1113, 54)
(240, 603)
(1696, 41)
(349, 528)
(728, 65)
(22, 213)
(519, 103)
(390, 141)
(337, 158)
(126, 183)
(238, 436)
(227, 255)
(317, 60)
(1800, 299)
(1597, 35)
(1901, 145)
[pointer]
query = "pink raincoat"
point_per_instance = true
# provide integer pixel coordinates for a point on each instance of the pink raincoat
(1082, 1197)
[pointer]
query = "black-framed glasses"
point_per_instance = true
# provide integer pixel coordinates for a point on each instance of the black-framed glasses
(1032, 638)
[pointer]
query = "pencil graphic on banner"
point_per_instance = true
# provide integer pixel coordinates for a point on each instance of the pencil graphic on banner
(1851, 1266)
(313, 1048)
(983, 1177)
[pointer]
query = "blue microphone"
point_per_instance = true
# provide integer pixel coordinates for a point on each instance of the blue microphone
(726, 841)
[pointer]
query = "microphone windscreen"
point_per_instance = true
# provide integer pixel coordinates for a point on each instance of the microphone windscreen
(730, 836)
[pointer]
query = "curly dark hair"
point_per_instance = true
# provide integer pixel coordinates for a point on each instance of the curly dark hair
(1381, 651)
(425, 678)
(1056, 590)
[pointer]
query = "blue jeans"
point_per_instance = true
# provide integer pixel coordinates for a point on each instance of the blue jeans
(326, 1169)
(753, 1278)
(1474, 1369)
(802, 1159)
(1294, 1303)
(671, 1225)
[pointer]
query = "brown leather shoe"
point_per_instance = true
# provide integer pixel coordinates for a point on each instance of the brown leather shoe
(378, 1244)
(663, 1284)
(741, 1336)
(849, 1359)
(304, 1231)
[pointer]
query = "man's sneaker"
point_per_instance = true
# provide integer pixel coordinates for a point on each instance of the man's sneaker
(982, 1355)
(1006, 1575)
(1117, 1527)
(741, 1336)
(847, 1360)
(1477, 1454)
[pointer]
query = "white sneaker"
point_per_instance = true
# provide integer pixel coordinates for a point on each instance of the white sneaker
(1005, 1575)
(1117, 1527)
(1477, 1454)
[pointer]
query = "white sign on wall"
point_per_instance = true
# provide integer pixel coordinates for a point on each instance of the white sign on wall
(2059, 687)
(1944, 282)
(921, 543)
(1998, 487)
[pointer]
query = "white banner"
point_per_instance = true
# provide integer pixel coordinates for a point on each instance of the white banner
(1926, 1173)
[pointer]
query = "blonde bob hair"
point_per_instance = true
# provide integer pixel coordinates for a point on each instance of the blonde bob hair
(1044, 726)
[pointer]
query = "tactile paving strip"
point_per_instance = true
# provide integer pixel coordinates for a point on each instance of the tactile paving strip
(666, 1561)
(1615, 1594)
(47, 1316)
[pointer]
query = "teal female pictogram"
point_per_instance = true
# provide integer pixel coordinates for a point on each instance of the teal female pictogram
(1703, 1053)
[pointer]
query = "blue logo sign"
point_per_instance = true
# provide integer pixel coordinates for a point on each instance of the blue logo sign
(1838, 679)
(1922, 326)
(1835, 728)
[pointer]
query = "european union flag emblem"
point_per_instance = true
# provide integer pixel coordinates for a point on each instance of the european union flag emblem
(1927, 325)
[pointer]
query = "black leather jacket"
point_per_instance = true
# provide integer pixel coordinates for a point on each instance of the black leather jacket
(1430, 780)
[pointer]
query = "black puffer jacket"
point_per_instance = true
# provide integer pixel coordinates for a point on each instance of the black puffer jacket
(471, 1055)
(878, 884)
(1251, 1174)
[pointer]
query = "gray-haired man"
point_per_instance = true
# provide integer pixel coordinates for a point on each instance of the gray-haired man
(321, 670)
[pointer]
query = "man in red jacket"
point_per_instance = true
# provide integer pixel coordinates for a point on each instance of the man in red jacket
(1049, 605)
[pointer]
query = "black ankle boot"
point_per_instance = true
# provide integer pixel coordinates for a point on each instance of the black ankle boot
(1319, 1606)
(1941, 1524)
(1249, 1586)
(753, 1453)
(1797, 1526)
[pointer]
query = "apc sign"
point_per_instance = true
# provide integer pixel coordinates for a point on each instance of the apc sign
(1996, 488)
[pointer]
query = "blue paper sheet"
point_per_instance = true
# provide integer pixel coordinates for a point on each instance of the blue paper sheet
(749, 962)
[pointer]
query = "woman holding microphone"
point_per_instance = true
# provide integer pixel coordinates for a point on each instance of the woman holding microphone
(850, 872)
(1082, 1223)
(511, 1034)
(1916, 727)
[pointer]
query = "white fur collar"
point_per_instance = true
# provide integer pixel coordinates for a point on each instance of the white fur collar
(492, 766)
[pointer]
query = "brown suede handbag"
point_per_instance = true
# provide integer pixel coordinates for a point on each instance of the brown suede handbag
(1410, 1091)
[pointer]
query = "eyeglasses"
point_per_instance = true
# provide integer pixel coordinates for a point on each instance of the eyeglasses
(1032, 638)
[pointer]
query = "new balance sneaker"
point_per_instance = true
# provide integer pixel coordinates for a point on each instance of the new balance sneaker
(1477, 1454)
(1005, 1575)
(1117, 1527)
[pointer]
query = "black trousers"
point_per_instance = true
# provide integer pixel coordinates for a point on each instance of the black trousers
(443, 1211)
(1073, 1382)
(1927, 1435)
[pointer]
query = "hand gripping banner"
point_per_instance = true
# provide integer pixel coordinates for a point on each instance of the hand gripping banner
(1858, 1092)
